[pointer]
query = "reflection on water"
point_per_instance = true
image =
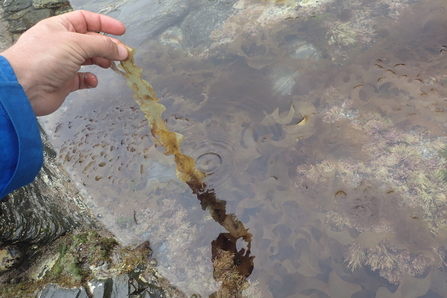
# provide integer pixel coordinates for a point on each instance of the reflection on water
(321, 121)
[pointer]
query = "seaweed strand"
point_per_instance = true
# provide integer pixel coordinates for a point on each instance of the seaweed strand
(242, 262)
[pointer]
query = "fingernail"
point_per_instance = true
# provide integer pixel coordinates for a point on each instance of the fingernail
(123, 53)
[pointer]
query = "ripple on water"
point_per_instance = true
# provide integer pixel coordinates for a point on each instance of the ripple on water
(214, 156)
(208, 163)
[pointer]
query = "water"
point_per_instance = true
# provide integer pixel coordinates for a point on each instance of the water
(320, 123)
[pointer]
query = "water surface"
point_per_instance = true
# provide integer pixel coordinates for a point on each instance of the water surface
(321, 124)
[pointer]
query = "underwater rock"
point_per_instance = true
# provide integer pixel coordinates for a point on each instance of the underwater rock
(162, 15)
(283, 79)
(305, 51)
(173, 37)
(205, 18)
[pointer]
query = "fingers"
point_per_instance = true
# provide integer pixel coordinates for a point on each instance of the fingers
(101, 62)
(90, 80)
(82, 21)
(84, 80)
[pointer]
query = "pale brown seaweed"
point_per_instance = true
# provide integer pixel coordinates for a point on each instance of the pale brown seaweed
(146, 98)
(241, 261)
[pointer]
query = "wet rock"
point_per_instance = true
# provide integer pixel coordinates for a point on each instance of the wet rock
(300, 49)
(49, 3)
(22, 15)
(120, 286)
(86, 264)
(163, 16)
(29, 19)
(43, 210)
(63, 9)
(98, 289)
(172, 37)
(10, 257)
(116, 287)
(16, 5)
(53, 291)
(209, 16)
(5, 35)
(17, 26)
(18, 14)
(283, 79)
(160, 16)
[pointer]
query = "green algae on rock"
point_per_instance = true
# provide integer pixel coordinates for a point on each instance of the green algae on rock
(79, 261)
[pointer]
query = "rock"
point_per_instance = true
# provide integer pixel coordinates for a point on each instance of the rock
(53, 291)
(99, 288)
(199, 24)
(160, 16)
(37, 213)
(16, 5)
(120, 286)
(49, 3)
(62, 10)
(18, 14)
(172, 37)
(17, 26)
(29, 19)
(112, 287)
(5, 35)
(10, 257)
(283, 79)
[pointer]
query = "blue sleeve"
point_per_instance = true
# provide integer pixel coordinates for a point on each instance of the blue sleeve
(21, 153)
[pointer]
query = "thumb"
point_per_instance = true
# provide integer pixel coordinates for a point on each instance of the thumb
(98, 45)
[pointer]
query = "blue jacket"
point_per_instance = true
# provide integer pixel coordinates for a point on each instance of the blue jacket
(21, 153)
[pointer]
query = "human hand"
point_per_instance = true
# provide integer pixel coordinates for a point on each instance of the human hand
(46, 58)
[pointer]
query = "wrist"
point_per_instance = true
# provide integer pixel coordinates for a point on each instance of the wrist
(20, 73)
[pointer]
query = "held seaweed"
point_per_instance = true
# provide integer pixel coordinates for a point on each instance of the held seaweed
(146, 98)
(225, 244)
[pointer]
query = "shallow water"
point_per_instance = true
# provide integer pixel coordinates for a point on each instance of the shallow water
(321, 124)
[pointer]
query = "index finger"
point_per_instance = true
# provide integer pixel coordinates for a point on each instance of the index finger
(82, 21)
